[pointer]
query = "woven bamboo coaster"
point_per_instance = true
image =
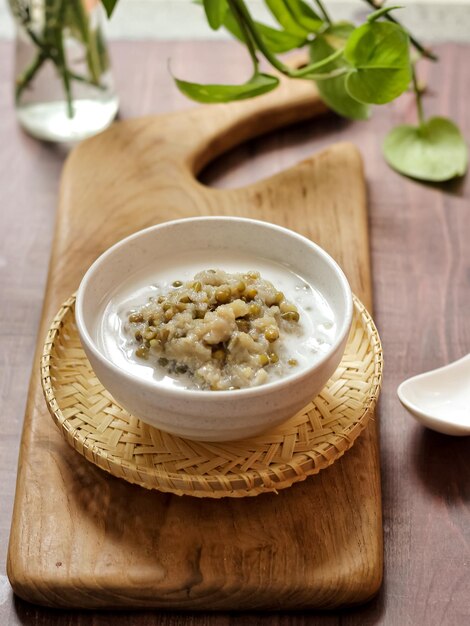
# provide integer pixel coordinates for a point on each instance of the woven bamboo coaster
(95, 425)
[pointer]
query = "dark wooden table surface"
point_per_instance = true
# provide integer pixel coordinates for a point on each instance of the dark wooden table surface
(420, 237)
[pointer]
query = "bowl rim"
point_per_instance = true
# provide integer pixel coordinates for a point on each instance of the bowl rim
(180, 392)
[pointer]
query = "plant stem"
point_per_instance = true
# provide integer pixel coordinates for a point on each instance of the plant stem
(27, 76)
(429, 54)
(245, 31)
(83, 79)
(45, 53)
(308, 70)
(61, 58)
(418, 95)
(51, 47)
(34, 38)
(301, 73)
(251, 26)
(323, 11)
(340, 71)
(93, 59)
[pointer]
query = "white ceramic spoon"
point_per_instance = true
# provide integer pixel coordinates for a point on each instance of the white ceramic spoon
(440, 399)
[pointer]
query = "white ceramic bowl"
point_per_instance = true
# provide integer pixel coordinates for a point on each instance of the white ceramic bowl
(213, 415)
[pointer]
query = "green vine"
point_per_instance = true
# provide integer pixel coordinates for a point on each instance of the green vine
(354, 68)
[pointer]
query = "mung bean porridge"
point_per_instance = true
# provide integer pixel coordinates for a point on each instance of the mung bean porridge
(216, 323)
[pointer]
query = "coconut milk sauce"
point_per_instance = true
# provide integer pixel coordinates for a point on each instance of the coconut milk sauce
(316, 329)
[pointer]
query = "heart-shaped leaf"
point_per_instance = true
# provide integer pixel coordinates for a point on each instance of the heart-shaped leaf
(333, 90)
(257, 85)
(334, 93)
(337, 34)
(434, 151)
(380, 55)
(215, 12)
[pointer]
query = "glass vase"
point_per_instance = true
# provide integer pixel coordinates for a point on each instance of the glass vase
(63, 83)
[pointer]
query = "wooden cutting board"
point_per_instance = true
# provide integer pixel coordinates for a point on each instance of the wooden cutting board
(81, 538)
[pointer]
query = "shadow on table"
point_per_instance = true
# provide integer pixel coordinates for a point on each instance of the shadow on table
(453, 187)
(276, 151)
(442, 463)
(31, 615)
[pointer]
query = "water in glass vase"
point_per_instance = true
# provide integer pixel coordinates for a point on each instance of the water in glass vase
(64, 88)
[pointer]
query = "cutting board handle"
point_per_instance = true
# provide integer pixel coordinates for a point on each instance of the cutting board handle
(223, 126)
(205, 132)
(202, 133)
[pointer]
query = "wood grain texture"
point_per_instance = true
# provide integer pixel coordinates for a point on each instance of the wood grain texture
(421, 263)
(82, 539)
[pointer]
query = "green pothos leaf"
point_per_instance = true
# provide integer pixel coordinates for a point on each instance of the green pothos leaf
(215, 12)
(305, 15)
(380, 57)
(333, 90)
(295, 16)
(278, 41)
(256, 86)
(433, 151)
(109, 6)
(337, 34)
